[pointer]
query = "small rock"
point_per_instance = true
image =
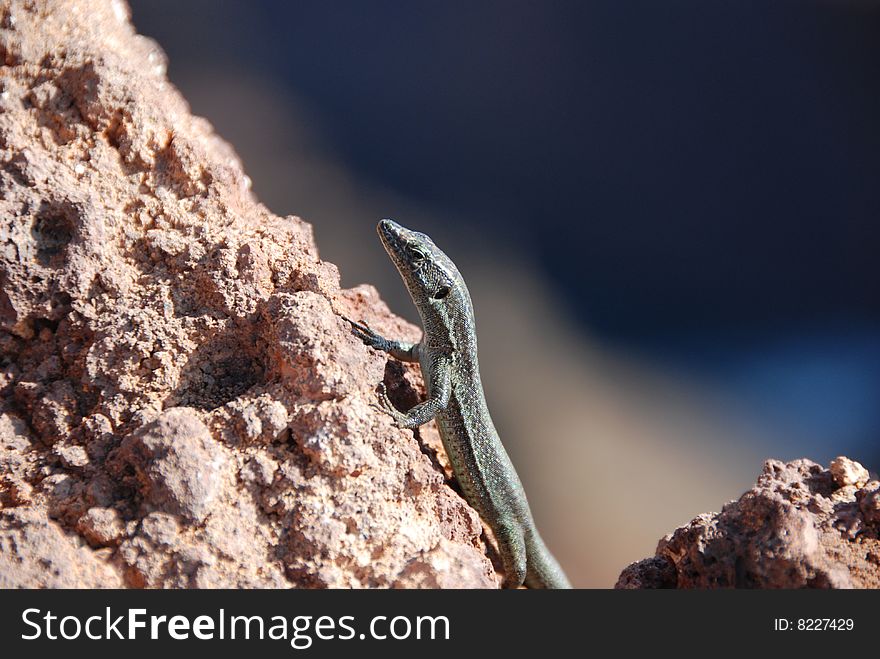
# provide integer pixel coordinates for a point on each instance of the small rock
(259, 469)
(72, 455)
(869, 502)
(100, 526)
(54, 412)
(848, 472)
(177, 463)
(650, 573)
(160, 528)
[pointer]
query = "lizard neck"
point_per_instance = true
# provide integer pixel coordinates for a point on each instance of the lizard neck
(450, 323)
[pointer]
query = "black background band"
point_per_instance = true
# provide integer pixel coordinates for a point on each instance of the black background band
(688, 623)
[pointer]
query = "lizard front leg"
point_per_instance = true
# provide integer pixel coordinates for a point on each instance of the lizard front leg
(439, 376)
(404, 351)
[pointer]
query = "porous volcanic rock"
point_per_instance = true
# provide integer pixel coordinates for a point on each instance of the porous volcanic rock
(800, 526)
(182, 404)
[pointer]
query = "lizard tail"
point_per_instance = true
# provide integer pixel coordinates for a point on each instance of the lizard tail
(542, 569)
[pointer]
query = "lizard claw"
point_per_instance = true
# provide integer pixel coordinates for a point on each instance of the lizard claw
(385, 405)
(365, 333)
(385, 402)
(362, 325)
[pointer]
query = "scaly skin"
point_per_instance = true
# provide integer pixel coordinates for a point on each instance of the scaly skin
(447, 355)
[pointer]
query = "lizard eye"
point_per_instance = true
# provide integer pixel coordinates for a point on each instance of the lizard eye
(416, 254)
(442, 292)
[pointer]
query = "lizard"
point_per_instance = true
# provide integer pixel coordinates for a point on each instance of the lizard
(447, 357)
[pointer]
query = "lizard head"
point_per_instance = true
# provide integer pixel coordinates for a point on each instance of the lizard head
(428, 273)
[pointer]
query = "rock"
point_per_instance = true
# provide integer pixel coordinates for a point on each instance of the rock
(177, 466)
(445, 566)
(36, 553)
(72, 456)
(54, 411)
(800, 526)
(651, 573)
(307, 354)
(848, 472)
(100, 526)
(869, 503)
(182, 405)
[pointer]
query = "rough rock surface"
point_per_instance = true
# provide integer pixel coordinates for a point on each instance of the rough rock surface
(182, 405)
(800, 526)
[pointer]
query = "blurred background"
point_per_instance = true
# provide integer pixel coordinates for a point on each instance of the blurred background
(668, 214)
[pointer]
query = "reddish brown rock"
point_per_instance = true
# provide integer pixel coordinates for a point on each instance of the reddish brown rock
(173, 464)
(182, 405)
(100, 527)
(37, 553)
(800, 526)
